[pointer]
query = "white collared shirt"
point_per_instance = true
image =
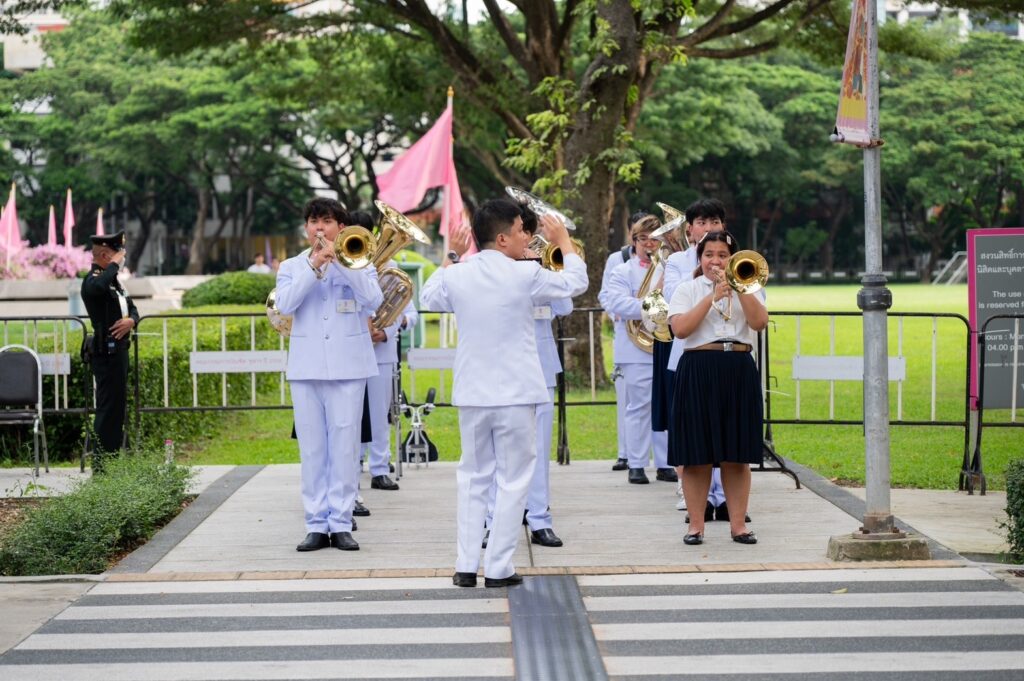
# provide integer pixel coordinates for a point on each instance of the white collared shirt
(713, 327)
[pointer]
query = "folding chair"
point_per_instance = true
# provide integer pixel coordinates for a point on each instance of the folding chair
(21, 395)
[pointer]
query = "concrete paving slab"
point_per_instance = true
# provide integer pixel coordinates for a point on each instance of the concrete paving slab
(17, 482)
(604, 521)
(27, 606)
(968, 524)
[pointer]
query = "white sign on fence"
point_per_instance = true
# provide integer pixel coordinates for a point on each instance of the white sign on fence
(238, 362)
(431, 358)
(841, 368)
(55, 365)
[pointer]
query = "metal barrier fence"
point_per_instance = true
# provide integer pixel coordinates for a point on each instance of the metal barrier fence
(972, 472)
(800, 387)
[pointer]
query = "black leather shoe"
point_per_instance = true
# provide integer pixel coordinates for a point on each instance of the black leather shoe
(354, 526)
(383, 482)
(314, 541)
(344, 541)
(694, 539)
(360, 510)
(745, 538)
(722, 513)
(667, 475)
(391, 468)
(464, 579)
(487, 535)
(620, 465)
(545, 537)
(638, 477)
(511, 580)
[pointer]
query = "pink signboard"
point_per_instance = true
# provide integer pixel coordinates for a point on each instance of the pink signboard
(995, 286)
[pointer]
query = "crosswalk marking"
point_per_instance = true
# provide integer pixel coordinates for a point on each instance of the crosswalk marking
(882, 575)
(276, 585)
(820, 663)
(266, 638)
(283, 609)
(265, 671)
(694, 631)
(829, 600)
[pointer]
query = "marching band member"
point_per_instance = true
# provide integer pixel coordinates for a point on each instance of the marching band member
(619, 298)
(498, 380)
(380, 388)
(330, 356)
(538, 499)
(619, 327)
(716, 408)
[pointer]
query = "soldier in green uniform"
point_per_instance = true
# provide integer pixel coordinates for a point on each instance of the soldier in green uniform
(113, 316)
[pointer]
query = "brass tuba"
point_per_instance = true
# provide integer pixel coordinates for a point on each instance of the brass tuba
(653, 310)
(672, 234)
(395, 233)
(282, 323)
(551, 255)
(541, 208)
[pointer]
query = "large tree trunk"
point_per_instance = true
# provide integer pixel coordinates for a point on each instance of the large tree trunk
(604, 86)
(197, 246)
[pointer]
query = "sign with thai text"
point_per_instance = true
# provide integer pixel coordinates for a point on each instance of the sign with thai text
(238, 362)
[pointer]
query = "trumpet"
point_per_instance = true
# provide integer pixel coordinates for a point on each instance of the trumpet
(551, 257)
(541, 208)
(354, 247)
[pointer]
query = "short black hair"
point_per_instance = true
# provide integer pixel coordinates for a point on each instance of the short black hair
(361, 218)
(705, 208)
(530, 219)
(322, 207)
(637, 217)
(494, 217)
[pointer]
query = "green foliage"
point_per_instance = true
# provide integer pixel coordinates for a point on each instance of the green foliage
(230, 288)
(1015, 508)
(80, 532)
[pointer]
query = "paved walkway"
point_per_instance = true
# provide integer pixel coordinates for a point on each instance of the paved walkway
(18, 482)
(221, 593)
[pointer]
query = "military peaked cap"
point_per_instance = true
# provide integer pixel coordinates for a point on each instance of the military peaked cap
(115, 241)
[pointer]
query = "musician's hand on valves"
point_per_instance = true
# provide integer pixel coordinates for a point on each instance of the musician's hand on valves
(322, 254)
(722, 289)
(554, 231)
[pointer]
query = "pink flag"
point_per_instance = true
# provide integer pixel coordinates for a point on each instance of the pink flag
(51, 233)
(99, 223)
(428, 163)
(11, 230)
(69, 220)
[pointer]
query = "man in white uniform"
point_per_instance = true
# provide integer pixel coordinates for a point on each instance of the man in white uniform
(330, 356)
(619, 297)
(498, 381)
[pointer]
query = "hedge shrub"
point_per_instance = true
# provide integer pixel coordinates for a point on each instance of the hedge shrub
(104, 516)
(1015, 508)
(230, 288)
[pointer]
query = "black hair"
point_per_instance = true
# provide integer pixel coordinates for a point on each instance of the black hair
(258, 255)
(322, 207)
(637, 217)
(705, 208)
(494, 217)
(529, 219)
(723, 235)
(361, 218)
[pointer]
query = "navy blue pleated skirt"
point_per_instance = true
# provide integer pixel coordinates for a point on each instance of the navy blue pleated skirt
(661, 388)
(716, 410)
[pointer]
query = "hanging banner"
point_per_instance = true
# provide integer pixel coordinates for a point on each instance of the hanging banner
(852, 117)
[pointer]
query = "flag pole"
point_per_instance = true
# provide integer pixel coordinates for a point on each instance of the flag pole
(446, 327)
(12, 227)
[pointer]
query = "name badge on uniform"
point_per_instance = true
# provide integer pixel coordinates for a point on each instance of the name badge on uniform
(122, 302)
(725, 330)
(542, 312)
(346, 305)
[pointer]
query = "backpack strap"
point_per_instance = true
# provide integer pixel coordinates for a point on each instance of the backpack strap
(625, 253)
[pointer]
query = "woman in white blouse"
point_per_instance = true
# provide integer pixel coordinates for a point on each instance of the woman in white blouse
(716, 410)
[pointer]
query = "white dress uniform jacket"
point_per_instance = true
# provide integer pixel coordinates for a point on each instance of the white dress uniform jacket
(329, 339)
(678, 268)
(493, 296)
(547, 348)
(619, 298)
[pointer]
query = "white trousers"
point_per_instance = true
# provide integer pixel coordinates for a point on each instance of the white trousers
(497, 445)
(379, 390)
(328, 415)
(639, 380)
(620, 414)
(538, 498)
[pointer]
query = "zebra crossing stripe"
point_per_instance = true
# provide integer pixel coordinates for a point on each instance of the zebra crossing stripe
(695, 631)
(787, 576)
(829, 600)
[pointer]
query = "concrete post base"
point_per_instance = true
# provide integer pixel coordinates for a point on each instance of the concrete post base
(847, 547)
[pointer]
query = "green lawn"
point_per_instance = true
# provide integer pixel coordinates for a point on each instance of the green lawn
(922, 456)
